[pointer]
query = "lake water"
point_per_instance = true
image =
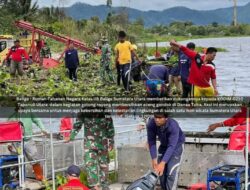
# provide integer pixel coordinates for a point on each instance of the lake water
(233, 68)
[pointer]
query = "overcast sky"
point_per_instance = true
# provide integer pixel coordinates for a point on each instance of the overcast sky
(151, 4)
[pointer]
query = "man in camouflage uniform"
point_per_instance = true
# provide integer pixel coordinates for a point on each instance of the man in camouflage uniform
(45, 51)
(98, 140)
(174, 71)
(105, 64)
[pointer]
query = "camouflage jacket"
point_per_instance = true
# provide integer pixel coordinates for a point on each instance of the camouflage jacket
(98, 132)
(106, 53)
(45, 52)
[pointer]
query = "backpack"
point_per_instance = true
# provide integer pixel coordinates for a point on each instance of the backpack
(155, 88)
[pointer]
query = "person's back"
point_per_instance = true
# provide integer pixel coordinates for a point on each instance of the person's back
(73, 176)
(124, 49)
(158, 72)
(123, 60)
(71, 58)
(74, 184)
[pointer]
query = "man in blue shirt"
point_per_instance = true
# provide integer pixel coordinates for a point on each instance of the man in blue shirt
(156, 81)
(159, 72)
(170, 150)
(185, 63)
(72, 61)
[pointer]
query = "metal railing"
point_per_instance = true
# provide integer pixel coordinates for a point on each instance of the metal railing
(21, 161)
(247, 150)
(50, 141)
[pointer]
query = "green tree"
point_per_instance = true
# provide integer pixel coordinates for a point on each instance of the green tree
(95, 19)
(22, 9)
(139, 21)
(5, 22)
(121, 20)
(51, 14)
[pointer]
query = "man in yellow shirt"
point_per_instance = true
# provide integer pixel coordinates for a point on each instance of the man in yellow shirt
(123, 60)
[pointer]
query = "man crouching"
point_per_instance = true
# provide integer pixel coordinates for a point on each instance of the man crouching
(170, 150)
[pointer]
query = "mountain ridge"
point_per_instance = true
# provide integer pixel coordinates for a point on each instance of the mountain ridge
(151, 18)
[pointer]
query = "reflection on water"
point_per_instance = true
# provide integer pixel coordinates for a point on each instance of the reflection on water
(233, 66)
(233, 69)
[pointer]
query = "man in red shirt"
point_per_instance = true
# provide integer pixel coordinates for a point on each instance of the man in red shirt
(74, 183)
(201, 71)
(237, 140)
(16, 52)
(238, 119)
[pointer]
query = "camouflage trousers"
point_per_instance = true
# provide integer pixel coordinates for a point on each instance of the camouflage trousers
(97, 167)
(105, 71)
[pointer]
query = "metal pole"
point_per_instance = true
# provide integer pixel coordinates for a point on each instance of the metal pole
(20, 170)
(116, 159)
(83, 151)
(74, 151)
(247, 148)
(22, 162)
(52, 160)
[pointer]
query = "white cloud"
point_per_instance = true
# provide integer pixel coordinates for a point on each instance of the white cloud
(152, 4)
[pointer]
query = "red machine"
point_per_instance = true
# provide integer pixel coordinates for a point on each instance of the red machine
(11, 166)
(10, 132)
(36, 45)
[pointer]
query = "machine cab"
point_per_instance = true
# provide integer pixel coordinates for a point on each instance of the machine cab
(6, 42)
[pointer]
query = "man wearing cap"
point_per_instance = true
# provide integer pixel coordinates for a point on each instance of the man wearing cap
(167, 162)
(105, 67)
(98, 141)
(17, 53)
(73, 176)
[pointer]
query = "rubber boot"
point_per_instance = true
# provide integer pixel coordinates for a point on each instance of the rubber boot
(38, 171)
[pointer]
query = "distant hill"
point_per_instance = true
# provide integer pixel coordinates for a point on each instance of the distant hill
(151, 18)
